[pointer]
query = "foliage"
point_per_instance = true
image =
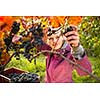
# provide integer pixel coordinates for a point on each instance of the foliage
(90, 37)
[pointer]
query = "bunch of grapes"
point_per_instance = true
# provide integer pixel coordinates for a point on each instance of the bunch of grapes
(37, 34)
(14, 30)
(35, 40)
(27, 48)
(15, 27)
(24, 78)
(68, 29)
(28, 45)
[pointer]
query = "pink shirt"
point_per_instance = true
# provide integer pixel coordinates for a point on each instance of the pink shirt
(59, 70)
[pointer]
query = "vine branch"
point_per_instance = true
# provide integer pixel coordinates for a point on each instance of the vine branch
(57, 53)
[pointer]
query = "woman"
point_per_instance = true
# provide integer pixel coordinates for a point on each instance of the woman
(58, 70)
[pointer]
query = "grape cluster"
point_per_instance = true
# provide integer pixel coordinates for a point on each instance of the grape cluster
(34, 35)
(14, 30)
(27, 47)
(24, 78)
(15, 27)
(37, 35)
(8, 41)
(68, 29)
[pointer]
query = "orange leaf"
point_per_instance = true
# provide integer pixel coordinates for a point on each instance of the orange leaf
(74, 20)
(4, 58)
(6, 22)
(1, 35)
(56, 21)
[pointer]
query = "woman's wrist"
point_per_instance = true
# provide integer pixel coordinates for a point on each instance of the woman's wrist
(78, 52)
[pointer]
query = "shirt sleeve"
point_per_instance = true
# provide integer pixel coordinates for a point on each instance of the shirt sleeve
(78, 52)
(85, 63)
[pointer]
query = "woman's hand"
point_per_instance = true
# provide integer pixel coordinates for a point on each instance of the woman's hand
(16, 39)
(73, 37)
